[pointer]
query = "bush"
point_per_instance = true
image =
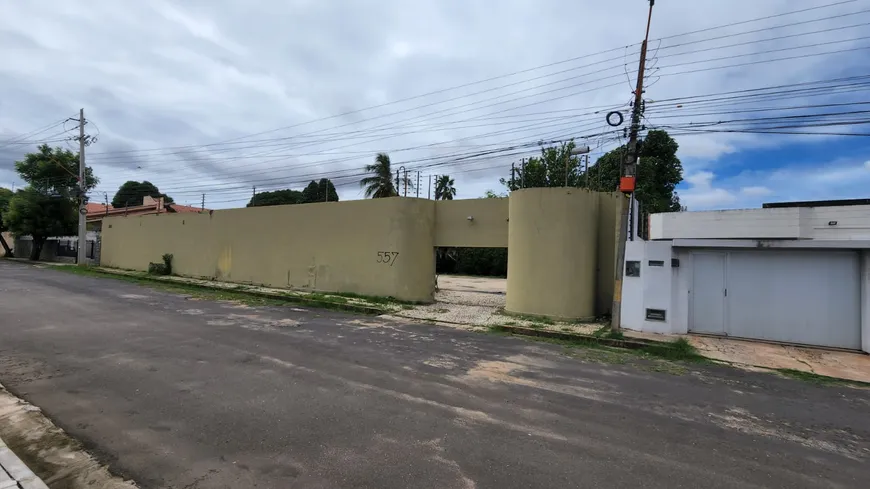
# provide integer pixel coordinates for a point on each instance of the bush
(167, 260)
(164, 268)
(486, 262)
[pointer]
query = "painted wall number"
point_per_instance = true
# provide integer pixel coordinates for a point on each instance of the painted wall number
(388, 257)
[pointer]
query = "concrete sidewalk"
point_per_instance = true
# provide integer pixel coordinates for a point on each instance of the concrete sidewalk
(830, 363)
(14, 474)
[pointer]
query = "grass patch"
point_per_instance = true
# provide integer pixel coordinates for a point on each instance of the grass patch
(819, 379)
(239, 294)
(375, 299)
(679, 349)
(606, 332)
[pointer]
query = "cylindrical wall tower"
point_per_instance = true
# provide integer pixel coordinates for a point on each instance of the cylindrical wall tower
(552, 252)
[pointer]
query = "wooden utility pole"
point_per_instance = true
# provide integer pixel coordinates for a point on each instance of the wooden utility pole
(627, 180)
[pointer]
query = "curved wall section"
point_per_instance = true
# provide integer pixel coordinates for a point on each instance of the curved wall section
(553, 248)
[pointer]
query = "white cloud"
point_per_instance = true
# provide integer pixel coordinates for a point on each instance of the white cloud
(160, 73)
(838, 179)
(756, 191)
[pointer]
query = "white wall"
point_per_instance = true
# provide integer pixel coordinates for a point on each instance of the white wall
(865, 301)
(632, 288)
(668, 288)
(852, 222)
(652, 290)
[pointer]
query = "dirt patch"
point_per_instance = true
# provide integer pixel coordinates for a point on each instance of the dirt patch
(48, 451)
(510, 371)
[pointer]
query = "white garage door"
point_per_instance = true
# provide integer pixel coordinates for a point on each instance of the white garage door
(806, 297)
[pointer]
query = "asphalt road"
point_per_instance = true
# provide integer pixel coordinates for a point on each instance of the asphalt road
(176, 393)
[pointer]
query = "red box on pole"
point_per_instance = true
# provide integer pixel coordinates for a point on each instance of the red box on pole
(626, 184)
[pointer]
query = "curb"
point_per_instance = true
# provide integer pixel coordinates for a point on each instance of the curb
(634, 344)
(375, 311)
(14, 474)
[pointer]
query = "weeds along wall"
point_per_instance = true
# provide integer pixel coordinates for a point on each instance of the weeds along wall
(560, 245)
(379, 247)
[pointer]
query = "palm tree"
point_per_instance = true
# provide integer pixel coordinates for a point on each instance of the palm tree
(444, 189)
(380, 183)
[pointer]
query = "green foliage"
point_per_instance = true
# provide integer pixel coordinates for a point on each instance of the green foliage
(489, 194)
(167, 261)
(444, 189)
(49, 205)
(131, 193)
(488, 262)
(548, 170)
(164, 268)
(322, 191)
(658, 173)
(54, 171)
(380, 183)
(276, 197)
(5, 197)
(41, 216)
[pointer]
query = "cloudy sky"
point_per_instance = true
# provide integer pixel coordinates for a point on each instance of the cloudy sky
(216, 97)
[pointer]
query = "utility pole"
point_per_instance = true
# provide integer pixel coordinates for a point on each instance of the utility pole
(513, 170)
(627, 182)
(576, 151)
(83, 208)
(523, 174)
(253, 197)
(405, 182)
(586, 173)
(203, 203)
(399, 173)
(430, 186)
(418, 184)
(107, 202)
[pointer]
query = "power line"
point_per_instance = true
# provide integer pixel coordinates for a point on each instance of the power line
(758, 19)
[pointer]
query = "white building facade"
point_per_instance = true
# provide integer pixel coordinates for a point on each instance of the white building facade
(794, 273)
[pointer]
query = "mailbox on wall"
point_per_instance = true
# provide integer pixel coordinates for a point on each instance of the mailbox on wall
(656, 315)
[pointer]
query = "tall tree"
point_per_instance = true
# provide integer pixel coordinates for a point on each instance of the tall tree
(131, 194)
(444, 189)
(276, 197)
(380, 183)
(5, 197)
(40, 215)
(322, 191)
(49, 205)
(659, 171)
(556, 167)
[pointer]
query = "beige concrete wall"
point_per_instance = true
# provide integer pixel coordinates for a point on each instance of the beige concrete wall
(608, 227)
(552, 263)
(336, 246)
(487, 229)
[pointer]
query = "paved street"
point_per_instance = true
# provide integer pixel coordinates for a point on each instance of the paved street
(175, 393)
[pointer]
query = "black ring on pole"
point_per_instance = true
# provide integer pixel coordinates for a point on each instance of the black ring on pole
(611, 123)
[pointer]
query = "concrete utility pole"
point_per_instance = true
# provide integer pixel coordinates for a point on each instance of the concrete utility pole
(627, 181)
(418, 184)
(81, 255)
(203, 203)
(254, 197)
(401, 171)
(430, 186)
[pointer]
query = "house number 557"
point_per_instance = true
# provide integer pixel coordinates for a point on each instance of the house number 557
(388, 257)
